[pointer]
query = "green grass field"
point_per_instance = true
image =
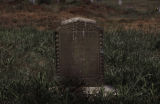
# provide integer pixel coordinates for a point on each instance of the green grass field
(27, 68)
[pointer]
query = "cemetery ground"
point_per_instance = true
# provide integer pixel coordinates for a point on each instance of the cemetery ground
(137, 14)
(27, 54)
(27, 63)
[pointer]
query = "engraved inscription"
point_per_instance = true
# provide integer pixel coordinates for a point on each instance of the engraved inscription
(80, 52)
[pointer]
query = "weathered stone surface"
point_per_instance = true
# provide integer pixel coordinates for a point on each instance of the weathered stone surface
(79, 51)
(95, 90)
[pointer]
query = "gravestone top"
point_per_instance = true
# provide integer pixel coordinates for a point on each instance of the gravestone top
(76, 19)
(79, 51)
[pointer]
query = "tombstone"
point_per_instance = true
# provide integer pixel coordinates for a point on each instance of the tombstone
(79, 51)
(91, 1)
(33, 1)
(120, 2)
(58, 1)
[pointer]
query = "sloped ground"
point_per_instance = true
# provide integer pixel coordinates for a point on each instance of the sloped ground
(49, 16)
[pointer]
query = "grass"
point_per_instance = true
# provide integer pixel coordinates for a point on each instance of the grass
(132, 62)
(27, 68)
(26, 51)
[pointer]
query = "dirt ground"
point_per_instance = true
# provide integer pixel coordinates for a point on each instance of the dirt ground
(45, 17)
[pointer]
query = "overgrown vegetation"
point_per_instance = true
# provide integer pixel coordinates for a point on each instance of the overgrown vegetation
(27, 73)
(26, 51)
(132, 63)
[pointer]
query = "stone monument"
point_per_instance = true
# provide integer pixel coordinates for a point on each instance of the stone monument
(79, 51)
